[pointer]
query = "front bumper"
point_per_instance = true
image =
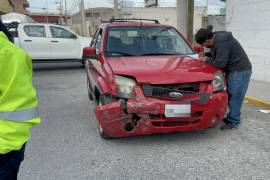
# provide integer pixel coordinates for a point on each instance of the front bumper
(144, 115)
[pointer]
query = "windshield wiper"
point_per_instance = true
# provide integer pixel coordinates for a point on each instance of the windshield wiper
(120, 53)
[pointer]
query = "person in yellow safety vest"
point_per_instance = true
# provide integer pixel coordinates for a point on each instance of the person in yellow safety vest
(18, 105)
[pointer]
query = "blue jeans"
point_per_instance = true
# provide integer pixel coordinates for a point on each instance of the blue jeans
(237, 84)
(10, 164)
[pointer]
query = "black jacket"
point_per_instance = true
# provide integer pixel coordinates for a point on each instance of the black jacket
(228, 54)
(4, 30)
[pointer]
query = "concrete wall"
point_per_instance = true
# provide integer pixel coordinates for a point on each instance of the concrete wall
(218, 22)
(249, 20)
(199, 13)
(165, 15)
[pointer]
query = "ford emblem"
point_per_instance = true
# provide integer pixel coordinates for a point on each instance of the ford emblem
(176, 95)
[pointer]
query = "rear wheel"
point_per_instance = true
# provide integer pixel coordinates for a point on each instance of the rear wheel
(83, 61)
(102, 100)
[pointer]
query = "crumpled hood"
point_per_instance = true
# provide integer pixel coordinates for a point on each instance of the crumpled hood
(162, 69)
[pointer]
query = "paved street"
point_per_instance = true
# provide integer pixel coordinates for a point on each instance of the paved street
(67, 146)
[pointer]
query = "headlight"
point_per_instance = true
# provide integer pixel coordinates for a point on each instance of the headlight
(219, 82)
(125, 86)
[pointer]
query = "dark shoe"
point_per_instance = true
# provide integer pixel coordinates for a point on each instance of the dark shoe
(227, 126)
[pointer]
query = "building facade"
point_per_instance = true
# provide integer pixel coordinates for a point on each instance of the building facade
(6, 7)
(94, 17)
(249, 22)
(18, 6)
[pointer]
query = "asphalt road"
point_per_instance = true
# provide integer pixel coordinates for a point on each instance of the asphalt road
(67, 146)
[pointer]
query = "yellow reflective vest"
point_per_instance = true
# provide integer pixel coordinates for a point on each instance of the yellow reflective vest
(18, 100)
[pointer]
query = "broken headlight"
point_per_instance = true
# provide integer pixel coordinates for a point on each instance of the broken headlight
(219, 82)
(125, 86)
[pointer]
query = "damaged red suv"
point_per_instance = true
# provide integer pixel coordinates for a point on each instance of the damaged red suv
(145, 79)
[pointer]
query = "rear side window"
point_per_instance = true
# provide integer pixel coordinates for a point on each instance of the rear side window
(35, 31)
(58, 32)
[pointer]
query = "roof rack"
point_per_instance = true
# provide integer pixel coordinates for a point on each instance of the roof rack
(133, 19)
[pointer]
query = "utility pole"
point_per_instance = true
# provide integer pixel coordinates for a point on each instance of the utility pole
(60, 10)
(190, 20)
(46, 11)
(115, 5)
(83, 24)
(185, 15)
(207, 3)
(182, 16)
(66, 12)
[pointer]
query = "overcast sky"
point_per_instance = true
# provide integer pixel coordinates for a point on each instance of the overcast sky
(37, 5)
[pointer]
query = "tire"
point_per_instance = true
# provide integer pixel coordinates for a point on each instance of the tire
(103, 135)
(82, 63)
(105, 99)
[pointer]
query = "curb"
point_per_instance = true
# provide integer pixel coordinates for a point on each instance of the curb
(257, 102)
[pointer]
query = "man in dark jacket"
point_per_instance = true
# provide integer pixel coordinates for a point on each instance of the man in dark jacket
(227, 54)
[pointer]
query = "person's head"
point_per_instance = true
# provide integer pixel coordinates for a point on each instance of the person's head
(205, 36)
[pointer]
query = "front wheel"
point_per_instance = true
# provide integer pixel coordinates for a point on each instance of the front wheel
(103, 135)
(102, 100)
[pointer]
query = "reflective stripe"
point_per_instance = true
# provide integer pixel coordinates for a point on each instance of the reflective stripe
(20, 115)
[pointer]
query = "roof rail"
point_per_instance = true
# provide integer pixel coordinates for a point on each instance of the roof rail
(133, 19)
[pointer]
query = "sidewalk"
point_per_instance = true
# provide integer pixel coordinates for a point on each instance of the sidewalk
(259, 93)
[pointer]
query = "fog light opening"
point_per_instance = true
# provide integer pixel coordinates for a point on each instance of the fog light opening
(129, 127)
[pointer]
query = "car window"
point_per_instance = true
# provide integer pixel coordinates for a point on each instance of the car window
(35, 31)
(98, 41)
(140, 41)
(58, 32)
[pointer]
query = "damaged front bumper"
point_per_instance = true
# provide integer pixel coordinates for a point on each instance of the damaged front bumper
(143, 115)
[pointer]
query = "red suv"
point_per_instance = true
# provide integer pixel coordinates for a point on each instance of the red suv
(145, 78)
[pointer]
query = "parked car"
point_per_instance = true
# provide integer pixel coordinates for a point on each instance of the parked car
(49, 42)
(145, 79)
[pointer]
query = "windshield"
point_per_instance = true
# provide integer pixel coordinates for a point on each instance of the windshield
(142, 41)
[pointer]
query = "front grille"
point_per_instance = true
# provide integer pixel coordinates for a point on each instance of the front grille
(170, 92)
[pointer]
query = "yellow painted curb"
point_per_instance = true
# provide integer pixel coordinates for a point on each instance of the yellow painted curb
(257, 102)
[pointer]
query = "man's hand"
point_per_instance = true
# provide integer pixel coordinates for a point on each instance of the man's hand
(201, 54)
(202, 57)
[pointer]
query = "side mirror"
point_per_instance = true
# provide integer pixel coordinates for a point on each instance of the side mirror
(90, 53)
(198, 49)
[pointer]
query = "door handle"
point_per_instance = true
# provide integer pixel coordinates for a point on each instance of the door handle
(27, 40)
(55, 41)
